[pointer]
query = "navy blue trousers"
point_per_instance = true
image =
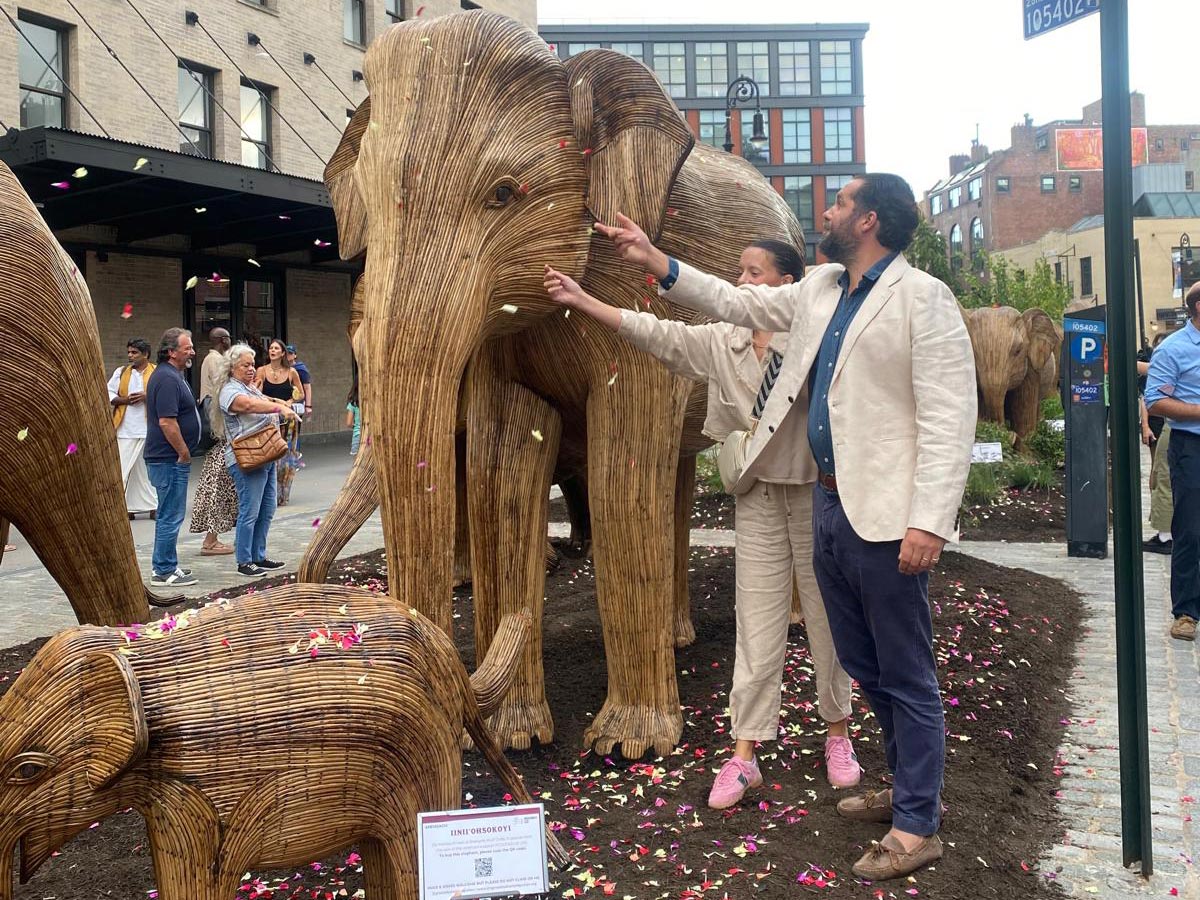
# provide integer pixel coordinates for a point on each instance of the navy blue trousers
(883, 633)
(1183, 458)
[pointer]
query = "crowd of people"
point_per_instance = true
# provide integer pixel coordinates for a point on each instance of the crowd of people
(159, 424)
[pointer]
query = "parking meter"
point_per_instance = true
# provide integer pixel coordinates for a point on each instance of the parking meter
(1086, 426)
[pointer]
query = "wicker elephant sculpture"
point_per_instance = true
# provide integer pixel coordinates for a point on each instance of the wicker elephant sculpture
(262, 732)
(61, 479)
(479, 158)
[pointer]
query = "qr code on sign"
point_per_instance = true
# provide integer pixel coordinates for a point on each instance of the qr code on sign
(483, 867)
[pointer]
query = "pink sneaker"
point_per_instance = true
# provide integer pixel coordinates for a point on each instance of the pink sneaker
(841, 765)
(735, 777)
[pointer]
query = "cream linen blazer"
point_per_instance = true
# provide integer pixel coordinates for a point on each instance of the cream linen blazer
(902, 403)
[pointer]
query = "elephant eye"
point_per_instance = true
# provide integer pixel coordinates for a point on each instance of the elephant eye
(27, 768)
(503, 192)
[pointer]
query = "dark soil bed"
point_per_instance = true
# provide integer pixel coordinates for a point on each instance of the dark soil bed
(1004, 648)
(1030, 516)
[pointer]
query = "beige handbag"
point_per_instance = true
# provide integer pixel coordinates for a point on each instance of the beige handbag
(731, 461)
(259, 448)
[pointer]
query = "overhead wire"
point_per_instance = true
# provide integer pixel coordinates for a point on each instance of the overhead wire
(257, 41)
(66, 86)
(198, 78)
(113, 54)
(309, 56)
(251, 81)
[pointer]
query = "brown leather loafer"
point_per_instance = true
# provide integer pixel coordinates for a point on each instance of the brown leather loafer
(873, 806)
(1184, 629)
(887, 858)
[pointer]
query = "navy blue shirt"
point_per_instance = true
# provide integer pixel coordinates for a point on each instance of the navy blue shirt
(169, 397)
(821, 375)
(302, 371)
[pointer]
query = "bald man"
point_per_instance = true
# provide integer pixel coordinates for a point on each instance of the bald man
(219, 342)
(1173, 392)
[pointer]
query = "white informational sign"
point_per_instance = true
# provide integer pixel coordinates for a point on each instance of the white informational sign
(494, 852)
(987, 452)
(1057, 424)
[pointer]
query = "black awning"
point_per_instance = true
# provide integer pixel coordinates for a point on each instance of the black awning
(147, 192)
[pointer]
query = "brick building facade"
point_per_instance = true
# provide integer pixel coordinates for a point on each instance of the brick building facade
(810, 80)
(223, 98)
(1047, 179)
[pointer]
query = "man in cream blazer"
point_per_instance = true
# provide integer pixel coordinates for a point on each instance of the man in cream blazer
(891, 421)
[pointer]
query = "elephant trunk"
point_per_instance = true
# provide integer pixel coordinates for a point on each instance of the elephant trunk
(494, 677)
(6, 870)
(354, 504)
(991, 407)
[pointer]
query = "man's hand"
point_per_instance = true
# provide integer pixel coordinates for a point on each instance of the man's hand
(633, 246)
(136, 397)
(1147, 435)
(919, 551)
(184, 459)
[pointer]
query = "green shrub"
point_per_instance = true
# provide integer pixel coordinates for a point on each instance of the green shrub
(708, 476)
(983, 485)
(1028, 475)
(1047, 445)
(1052, 408)
(990, 433)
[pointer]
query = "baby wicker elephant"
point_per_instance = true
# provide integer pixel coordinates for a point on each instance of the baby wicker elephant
(262, 733)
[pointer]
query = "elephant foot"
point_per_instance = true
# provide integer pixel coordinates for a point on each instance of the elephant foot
(517, 725)
(636, 728)
(685, 631)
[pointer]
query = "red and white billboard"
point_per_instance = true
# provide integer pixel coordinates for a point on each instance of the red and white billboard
(1082, 149)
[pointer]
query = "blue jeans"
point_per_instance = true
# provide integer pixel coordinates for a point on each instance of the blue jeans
(170, 480)
(256, 508)
(1183, 457)
(883, 633)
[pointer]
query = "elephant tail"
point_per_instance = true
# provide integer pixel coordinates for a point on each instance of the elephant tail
(494, 677)
(489, 685)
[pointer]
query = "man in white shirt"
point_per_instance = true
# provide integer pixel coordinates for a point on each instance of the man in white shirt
(127, 394)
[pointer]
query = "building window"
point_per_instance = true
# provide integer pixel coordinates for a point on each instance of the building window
(836, 72)
(1048, 184)
(754, 60)
(1183, 144)
(839, 135)
(956, 248)
(256, 125)
(795, 69)
(1041, 141)
(712, 127)
(760, 157)
(798, 192)
(833, 184)
(668, 65)
(1003, 184)
(634, 50)
(1085, 276)
(1189, 181)
(977, 241)
(712, 69)
(43, 84)
(575, 49)
(354, 21)
(195, 109)
(797, 135)
(1158, 143)
(975, 188)
(1058, 272)
(956, 197)
(1074, 183)
(395, 10)
(935, 204)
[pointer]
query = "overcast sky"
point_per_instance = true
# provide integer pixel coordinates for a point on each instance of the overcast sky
(933, 69)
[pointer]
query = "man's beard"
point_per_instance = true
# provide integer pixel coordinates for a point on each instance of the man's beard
(188, 364)
(836, 248)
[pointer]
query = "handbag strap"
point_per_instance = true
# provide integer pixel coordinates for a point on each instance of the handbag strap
(774, 364)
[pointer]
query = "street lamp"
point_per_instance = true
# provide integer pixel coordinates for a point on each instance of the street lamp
(742, 90)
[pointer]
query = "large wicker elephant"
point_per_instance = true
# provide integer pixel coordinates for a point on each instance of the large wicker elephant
(60, 483)
(479, 158)
(266, 731)
(1016, 363)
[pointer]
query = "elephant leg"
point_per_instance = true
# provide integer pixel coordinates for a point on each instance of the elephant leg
(185, 843)
(355, 503)
(685, 489)
(508, 480)
(633, 444)
(388, 868)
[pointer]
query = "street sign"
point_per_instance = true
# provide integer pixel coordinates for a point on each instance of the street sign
(1086, 348)
(1046, 15)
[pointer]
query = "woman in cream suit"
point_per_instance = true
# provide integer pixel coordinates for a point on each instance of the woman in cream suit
(774, 518)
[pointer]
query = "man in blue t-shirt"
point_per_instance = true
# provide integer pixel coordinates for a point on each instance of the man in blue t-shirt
(172, 430)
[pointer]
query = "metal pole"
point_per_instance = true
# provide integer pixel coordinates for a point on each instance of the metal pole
(1141, 297)
(1127, 559)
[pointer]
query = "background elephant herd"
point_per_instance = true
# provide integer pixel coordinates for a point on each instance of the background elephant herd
(478, 158)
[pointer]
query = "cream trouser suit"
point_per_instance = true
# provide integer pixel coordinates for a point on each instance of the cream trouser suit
(773, 527)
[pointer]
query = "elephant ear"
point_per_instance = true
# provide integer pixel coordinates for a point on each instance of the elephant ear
(113, 718)
(632, 135)
(348, 207)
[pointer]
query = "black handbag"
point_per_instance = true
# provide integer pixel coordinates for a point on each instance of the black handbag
(207, 440)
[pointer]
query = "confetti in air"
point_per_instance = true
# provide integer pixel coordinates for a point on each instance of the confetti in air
(22, 434)
(201, 209)
(537, 435)
(127, 312)
(61, 185)
(510, 309)
(72, 449)
(142, 161)
(81, 172)
(254, 262)
(192, 282)
(316, 522)
(320, 243)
